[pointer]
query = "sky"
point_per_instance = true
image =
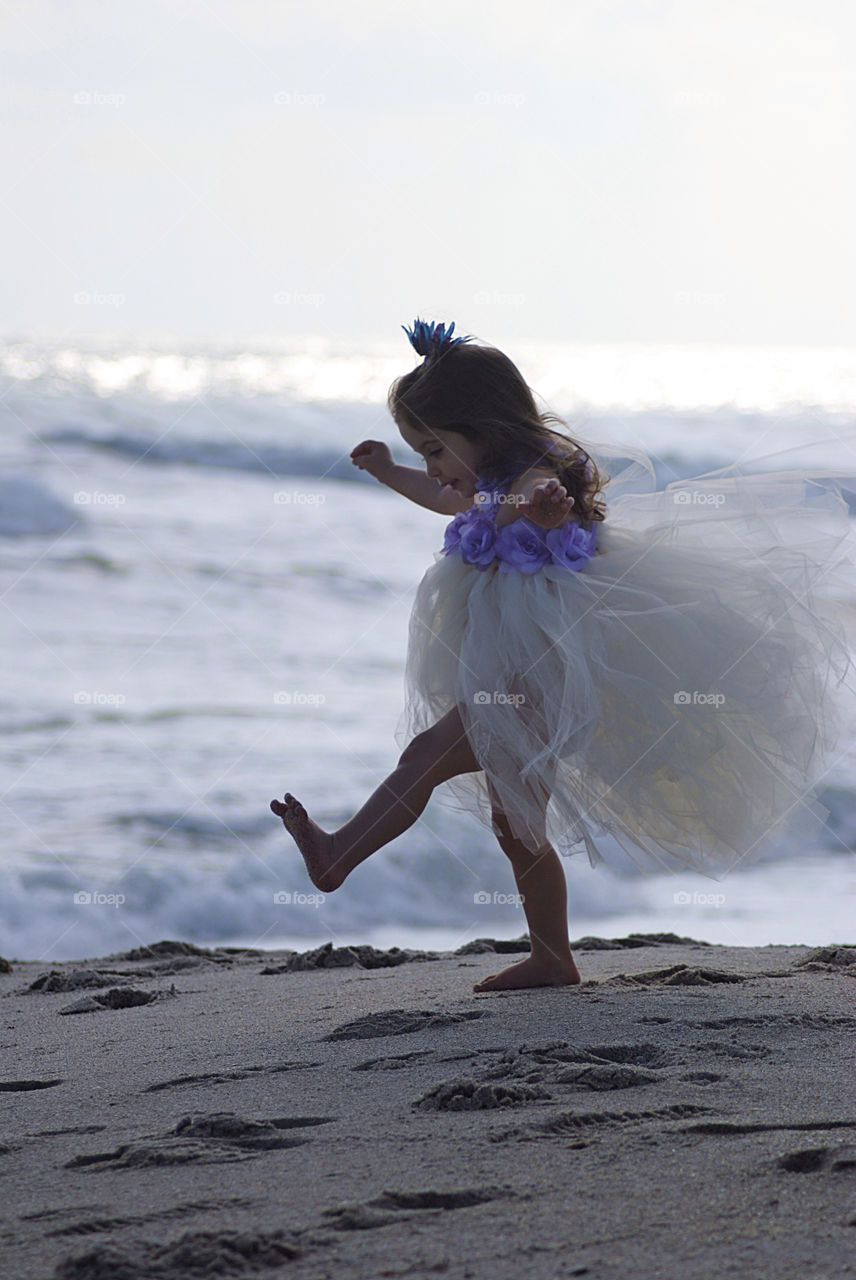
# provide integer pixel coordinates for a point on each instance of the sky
(586, 170)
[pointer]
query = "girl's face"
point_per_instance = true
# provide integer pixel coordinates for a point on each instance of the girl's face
(449, 457)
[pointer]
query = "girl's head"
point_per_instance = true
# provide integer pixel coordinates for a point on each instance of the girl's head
(468, 410)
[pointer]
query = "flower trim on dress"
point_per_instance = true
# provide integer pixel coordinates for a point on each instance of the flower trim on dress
(521, 545)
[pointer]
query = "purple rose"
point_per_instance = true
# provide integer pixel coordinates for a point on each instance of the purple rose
(571, 545)
(477, 538)
(452, 536)
(520, 545)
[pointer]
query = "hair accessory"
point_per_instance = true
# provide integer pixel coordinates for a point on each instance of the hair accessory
(430, 339)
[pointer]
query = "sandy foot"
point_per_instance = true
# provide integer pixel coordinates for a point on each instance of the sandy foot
(315, 845)
(532, 972)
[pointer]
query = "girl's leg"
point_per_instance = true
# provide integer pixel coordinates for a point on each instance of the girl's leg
(541, 884)
(439, 753)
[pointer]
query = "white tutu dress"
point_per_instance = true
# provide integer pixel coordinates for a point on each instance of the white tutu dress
(671, 678)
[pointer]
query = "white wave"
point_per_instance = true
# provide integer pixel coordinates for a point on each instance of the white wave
(28, 507)
(804, 900)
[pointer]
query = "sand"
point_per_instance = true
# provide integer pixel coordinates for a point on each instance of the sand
(687, 1111)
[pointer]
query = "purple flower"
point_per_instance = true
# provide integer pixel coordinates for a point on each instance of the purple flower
(520, 545)
(477, 538)
(452, 536)
(571, 545)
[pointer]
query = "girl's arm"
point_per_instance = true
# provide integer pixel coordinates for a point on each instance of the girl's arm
(411, 482)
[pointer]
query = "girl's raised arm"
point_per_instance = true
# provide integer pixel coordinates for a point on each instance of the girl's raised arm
(375, 457)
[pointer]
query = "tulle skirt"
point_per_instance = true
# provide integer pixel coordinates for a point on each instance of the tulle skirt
(682, 692)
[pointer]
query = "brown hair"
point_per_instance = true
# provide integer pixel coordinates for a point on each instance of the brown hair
(478, 392)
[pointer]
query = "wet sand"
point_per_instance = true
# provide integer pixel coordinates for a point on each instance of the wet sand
(688, 1111)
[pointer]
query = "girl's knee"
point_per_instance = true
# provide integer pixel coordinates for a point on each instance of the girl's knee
(439, 752)
(500, 826)
(519, 852)
(418, 751)
(512, 846)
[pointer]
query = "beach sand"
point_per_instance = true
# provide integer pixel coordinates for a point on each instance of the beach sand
(687, 1111)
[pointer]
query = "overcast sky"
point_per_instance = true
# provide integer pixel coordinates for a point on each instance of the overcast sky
(580, 169)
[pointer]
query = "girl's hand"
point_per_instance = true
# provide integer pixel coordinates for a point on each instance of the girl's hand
(548, 506)
(372, 456)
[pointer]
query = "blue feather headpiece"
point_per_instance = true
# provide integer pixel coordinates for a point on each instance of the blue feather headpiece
(430, 339)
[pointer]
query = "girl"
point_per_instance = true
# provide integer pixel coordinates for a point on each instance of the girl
(663, 676)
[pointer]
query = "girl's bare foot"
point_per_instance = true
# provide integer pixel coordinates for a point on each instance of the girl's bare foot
(315, 845)
(535, 971)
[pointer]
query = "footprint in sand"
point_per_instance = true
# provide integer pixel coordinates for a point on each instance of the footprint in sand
(202, 1139)
(398, 1022)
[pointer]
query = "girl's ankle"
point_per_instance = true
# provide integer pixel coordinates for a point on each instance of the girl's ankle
(549, 960)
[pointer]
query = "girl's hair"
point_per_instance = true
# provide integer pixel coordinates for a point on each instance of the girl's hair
(478, 392)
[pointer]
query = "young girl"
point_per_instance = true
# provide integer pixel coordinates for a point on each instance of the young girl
(663, 676)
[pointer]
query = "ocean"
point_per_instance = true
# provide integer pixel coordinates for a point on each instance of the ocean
(206, 605)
